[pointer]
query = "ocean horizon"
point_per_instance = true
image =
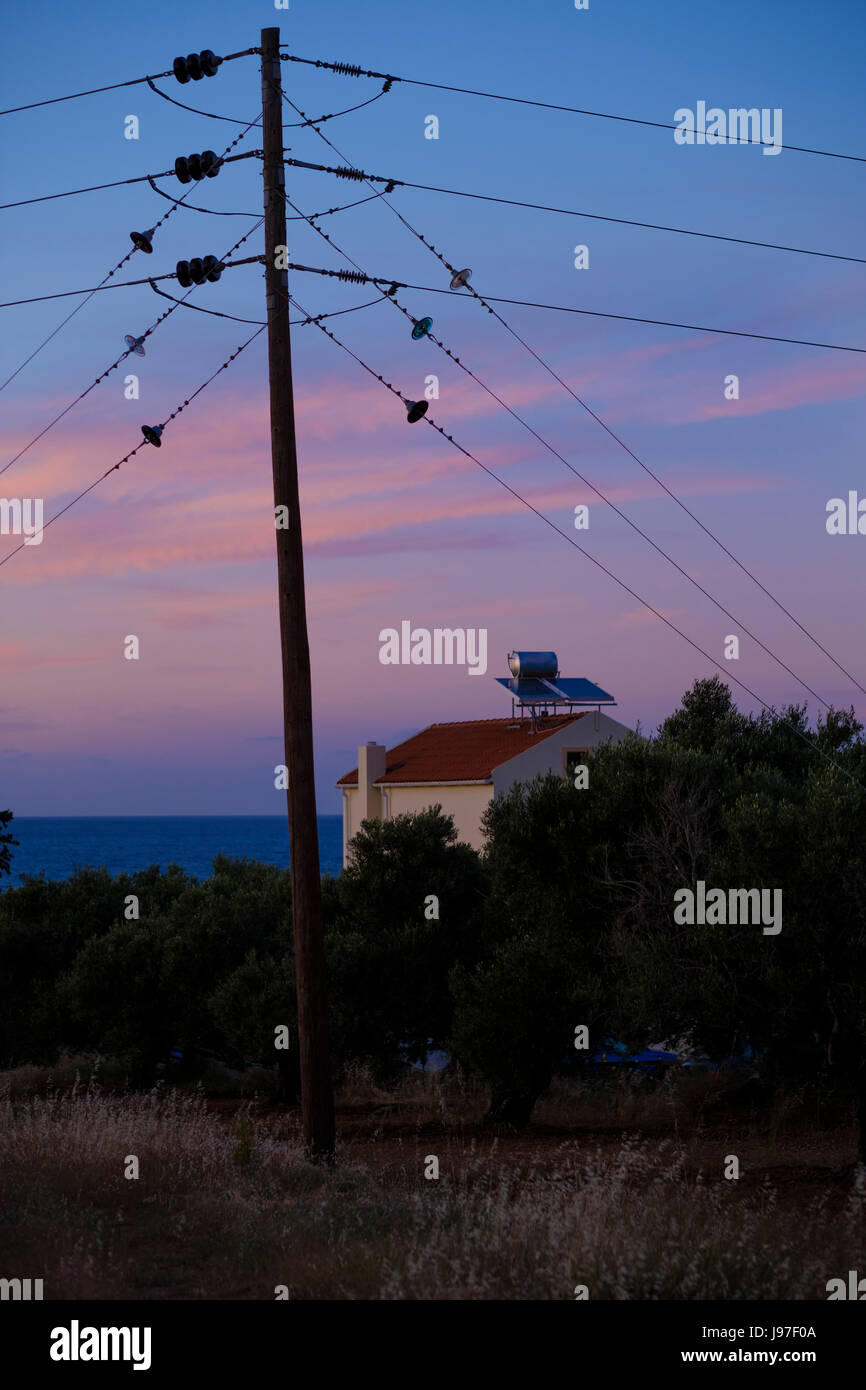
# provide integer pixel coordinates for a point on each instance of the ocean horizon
(58, 845)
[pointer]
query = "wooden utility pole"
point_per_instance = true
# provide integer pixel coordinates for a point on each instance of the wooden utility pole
(317, 1102)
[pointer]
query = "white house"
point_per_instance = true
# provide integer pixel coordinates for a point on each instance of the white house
(463, 766)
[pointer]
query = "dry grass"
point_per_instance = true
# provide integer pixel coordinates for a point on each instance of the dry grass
(67, 1070)
(226, 1207)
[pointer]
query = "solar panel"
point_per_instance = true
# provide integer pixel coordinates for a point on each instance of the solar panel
(529, 690)
(578, 688)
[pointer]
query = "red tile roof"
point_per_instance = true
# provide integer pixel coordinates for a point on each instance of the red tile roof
(464, 752)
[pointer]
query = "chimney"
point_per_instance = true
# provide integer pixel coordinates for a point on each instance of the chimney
(371, 764)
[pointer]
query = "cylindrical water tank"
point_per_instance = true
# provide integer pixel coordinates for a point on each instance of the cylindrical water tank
(533, 664)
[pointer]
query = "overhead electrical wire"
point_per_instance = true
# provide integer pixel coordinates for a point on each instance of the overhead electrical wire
(628, 318)
(348, 172)
(317, 320)
(114, 86)
(612, 434)
(92, 188)
(213, 212)
(352, 70)
(576, 472)
(739, 333)
(290, 125)
(80, 397)
(456, 193)
(120, 284)
(92, 91)
(491, 298)
(494, 299)
(142, 445)
(104, 283)
(659, 323)
(193, 207)
(165, 174)
(313, 122)
(196, 110)
(302, 322)
(598, 563)
(336, 313)
(176, 303)
(139, 178)
(199, 309)
(329, 212)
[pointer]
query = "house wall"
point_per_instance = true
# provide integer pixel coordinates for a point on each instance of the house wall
(358, 808)
(549, 754)
(465, 803)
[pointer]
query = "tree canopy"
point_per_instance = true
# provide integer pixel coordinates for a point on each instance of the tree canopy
(567, 920)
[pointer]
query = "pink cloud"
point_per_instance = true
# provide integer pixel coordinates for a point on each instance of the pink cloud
(34, 653)
(115, 532)
(204, 500)
(787, 389)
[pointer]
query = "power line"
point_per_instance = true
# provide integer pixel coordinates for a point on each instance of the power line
(200, 309)
(348, 172)
(649, 471)
(491, 298)
(334, 313)
(586, 481)
(92, 188)
(79, 397)
(660, 323)
(663, 323)
(666, 323)
(176, 303)
(192, 207)
(291, 125)
(453, 192)
(302, 322)
(195, 109)
(104, 283)
(329, 212)
(112, 87)
(213, 212)
(626, 318)
(571, 541)
(598, 419)
(132, 452)
(351, 70)
(165, 174)
(139, 178)
(73, 96)
(120, 284)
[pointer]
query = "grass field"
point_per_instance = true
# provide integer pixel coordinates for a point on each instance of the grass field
(613, 1189)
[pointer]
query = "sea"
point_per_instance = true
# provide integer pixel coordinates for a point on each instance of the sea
(58, 845)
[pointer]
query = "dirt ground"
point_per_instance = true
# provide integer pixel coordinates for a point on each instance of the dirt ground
(385, 1135)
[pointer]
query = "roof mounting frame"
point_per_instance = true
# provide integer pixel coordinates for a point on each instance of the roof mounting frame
(542, 691)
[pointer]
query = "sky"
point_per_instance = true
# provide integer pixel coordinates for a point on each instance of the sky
(177, 546)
